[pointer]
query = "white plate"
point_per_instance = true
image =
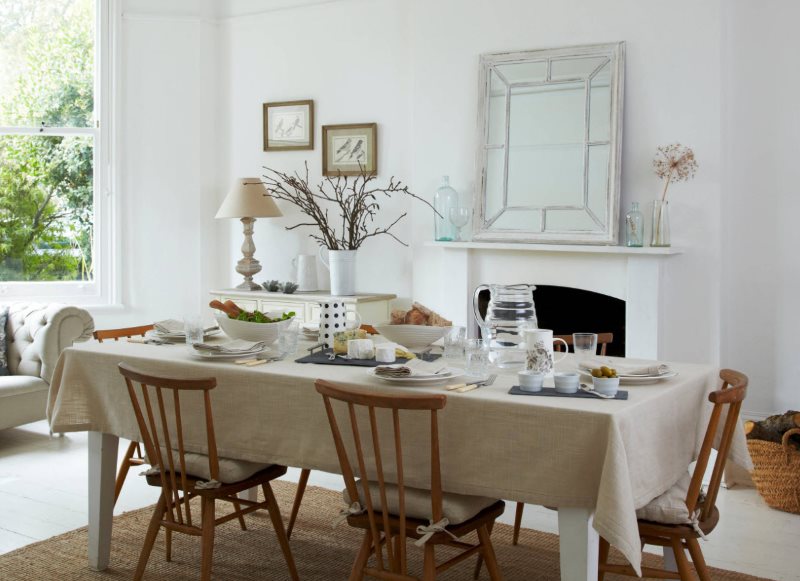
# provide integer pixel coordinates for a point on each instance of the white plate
(176, 337)
(452, 372)
(210, 355)
(636, 378)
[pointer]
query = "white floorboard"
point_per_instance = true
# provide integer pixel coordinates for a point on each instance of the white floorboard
(43, 484)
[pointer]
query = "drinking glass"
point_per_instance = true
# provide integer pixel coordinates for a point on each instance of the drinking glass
(459, 218)
(585, 345)
(477, 355)
(193, 328)
(454, 343)
(287, 340)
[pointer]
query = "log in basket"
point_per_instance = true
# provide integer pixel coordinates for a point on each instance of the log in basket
(776, 472)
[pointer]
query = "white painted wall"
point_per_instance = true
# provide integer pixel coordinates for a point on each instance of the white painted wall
(760, 201)
(710, 74)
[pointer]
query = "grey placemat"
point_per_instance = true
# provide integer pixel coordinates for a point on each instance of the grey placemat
(551, 392)
(322, 358)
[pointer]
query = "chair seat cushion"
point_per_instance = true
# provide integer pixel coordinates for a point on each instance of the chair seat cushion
(670, 507)
(11, 385)
(230, 471)
(457, 508)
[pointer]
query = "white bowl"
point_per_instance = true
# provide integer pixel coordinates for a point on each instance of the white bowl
(606, 385)
(267, 332)
(530, 380)
(412, 336)
(566, 382)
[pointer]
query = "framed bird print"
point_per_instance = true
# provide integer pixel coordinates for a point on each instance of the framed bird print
(289, 126)
(347, 150)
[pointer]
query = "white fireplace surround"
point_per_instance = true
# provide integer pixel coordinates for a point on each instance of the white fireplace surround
(630, 274)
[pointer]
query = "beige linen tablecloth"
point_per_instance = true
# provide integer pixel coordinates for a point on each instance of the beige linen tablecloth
(613, 456)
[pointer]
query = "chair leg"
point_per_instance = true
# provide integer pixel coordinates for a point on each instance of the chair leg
(517, 522)
(207, 550)
(280, 532)
(605, 549)
(684, 569)
(124, 466)
(697, 559)
(479, 563)
(168, 544)
(298, 498)
(488, 554)
(429, 565)
(150, 537)
(357, 572)
(238, 507)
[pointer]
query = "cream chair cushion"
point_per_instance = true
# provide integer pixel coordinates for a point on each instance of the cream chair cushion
(456, 508)
(230, 471)
(670, 507)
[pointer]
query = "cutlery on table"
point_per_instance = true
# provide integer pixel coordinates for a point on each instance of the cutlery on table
(465, 387)
(587, 389)
(259, 359)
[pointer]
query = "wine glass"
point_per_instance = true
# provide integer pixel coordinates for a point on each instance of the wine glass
(459, 218)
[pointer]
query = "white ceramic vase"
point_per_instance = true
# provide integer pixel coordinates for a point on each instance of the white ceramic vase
(342, 266)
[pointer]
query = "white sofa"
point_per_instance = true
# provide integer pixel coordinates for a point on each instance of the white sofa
(36, 335)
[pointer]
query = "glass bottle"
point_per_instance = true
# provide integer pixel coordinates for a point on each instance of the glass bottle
(444, 200)
(634, 221)
(660, 231)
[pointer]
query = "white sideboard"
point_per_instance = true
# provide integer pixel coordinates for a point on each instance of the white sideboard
(373, 308)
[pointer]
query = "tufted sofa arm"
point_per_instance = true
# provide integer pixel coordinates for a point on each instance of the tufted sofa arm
(37, 333)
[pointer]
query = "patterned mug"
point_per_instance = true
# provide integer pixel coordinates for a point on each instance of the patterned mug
(539, 347)
(333, 318)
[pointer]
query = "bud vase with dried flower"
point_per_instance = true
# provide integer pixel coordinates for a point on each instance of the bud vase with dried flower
(660, 232)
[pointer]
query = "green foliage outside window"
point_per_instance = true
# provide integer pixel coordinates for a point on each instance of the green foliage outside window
(46, 189)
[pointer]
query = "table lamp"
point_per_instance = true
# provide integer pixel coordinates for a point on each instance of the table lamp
(248, 200)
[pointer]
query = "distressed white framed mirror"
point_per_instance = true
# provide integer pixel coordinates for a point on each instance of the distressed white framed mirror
(550, 139)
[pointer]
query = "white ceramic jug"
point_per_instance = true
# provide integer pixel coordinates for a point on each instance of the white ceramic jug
(539, 349)
(306, 265)
(333, 319)
(342, 266)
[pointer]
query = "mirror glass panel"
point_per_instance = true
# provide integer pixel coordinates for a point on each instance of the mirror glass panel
(550, 126)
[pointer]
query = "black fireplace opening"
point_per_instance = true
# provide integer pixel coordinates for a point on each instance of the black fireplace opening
(568, 310)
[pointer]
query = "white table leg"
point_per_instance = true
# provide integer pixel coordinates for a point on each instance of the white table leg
(102, 473)
(579, 544)
(250, 494)
(669, 560)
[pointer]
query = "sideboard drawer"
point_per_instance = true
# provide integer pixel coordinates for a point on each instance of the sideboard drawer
(298, 308)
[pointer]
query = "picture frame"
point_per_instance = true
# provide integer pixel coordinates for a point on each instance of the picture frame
(289, 125)
(344, 147)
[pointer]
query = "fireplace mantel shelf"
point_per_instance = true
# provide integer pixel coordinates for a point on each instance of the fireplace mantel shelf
(573, 248)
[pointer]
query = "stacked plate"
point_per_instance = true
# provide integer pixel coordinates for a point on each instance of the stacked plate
(171, 330)
(310, 331)
(631, 371)
(414, 376)
(230, 350)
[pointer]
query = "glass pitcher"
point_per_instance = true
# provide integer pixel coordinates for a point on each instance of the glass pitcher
(509, 313)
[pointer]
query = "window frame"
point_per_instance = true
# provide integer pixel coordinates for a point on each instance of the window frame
(102, 290)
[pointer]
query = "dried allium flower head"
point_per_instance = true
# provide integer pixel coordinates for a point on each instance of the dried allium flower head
(674, 163)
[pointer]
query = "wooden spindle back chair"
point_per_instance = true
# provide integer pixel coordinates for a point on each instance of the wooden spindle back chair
(382, 527)
(684, 537)
(158, 410)
(133, 454)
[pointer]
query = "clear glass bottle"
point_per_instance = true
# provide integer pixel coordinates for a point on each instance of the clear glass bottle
(634, 222)
(444, 200)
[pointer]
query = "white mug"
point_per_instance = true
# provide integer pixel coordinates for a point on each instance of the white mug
(539, 348)
(306, 265)
(333, 319)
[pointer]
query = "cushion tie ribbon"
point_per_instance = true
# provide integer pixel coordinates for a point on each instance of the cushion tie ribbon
(352, 510)
(431, 529)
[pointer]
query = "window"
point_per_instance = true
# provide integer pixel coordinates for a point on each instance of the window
(52, 141)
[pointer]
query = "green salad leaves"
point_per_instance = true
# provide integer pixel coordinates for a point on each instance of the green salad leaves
(259, 317)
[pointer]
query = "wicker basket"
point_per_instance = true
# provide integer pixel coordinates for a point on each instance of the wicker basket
(776, 472)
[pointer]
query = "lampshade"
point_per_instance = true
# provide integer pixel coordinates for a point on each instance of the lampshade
(247, 199)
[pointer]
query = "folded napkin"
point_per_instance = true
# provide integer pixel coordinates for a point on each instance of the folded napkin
(236, 347)
(392, 371)
(415, 367)
(175, 327)
(639, 368)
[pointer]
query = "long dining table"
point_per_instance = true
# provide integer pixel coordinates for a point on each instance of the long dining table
(595, 461)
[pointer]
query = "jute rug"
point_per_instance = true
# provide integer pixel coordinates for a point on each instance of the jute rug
(321, 552)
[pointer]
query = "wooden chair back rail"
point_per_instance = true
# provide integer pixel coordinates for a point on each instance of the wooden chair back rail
(730, 395)
(157, 427)
(117, 334)
(394, 537)
(603, 339)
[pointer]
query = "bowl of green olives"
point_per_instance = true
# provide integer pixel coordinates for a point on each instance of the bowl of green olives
(605, 380)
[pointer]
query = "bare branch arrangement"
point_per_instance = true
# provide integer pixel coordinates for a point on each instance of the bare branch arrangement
(355, 203)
